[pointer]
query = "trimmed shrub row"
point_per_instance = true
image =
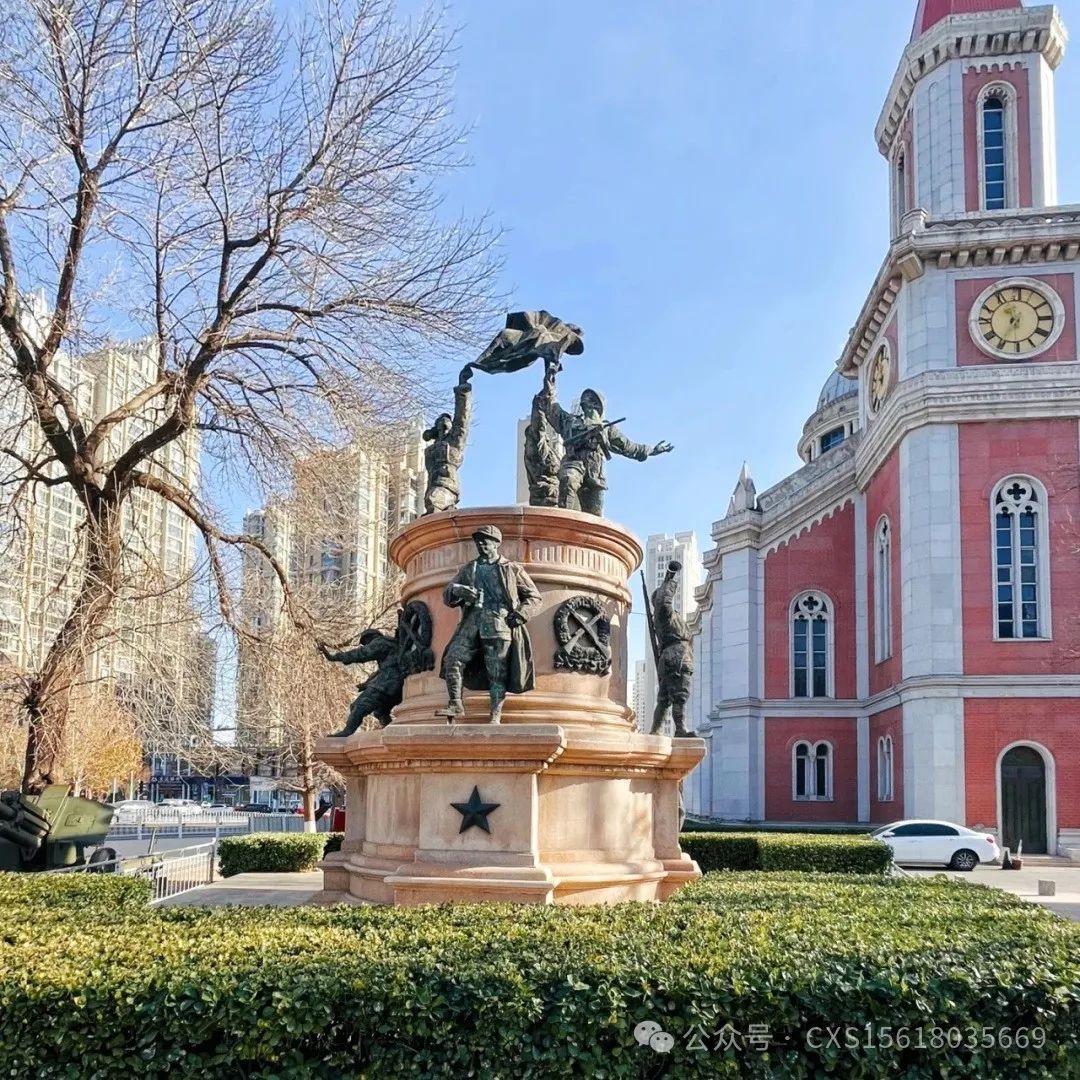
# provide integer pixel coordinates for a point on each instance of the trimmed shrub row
(787, 851)
(265, 853)
(694, 824)
(94, 990)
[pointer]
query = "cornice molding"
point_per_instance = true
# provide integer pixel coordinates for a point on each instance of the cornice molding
(957, 241)
(912, 689)
(1036, 30)
(1016, 391)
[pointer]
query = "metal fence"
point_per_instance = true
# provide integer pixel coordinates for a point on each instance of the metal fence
(172, 825)
(169, 872)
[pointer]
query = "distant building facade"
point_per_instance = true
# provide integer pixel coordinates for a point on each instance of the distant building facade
(375, 493)
(637, 695)
(153, 650)
(894, 630)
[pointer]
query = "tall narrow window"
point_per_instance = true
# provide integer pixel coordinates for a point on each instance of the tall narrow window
(1020, 559)
(885, 769)
(811, 645)
(993, 150)
(811, 770)
(883, 591)
(901, 187)
(802, 770)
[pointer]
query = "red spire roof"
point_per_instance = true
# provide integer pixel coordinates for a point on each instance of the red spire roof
(931, 12)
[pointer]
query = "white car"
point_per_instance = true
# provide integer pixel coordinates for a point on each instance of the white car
(188, 806)
(938, 843)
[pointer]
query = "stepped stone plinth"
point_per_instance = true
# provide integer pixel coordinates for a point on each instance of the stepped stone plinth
(564, 801)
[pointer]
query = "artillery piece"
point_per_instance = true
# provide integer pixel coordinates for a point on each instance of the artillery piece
(53, 830)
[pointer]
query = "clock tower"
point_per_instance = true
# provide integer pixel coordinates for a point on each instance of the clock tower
(894, 630)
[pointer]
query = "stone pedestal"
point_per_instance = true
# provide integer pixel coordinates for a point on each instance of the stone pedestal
(587, 807)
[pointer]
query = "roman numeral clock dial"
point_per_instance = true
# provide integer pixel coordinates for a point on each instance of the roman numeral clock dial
(1016, 319)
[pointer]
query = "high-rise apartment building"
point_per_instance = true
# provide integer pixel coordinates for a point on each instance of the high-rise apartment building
(637, 693)
(330, 535)
(151, 644)
(660, 549)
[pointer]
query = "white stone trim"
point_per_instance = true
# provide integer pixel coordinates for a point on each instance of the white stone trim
(1051, 790)
(1006, 92)
(966, 394)
(979, 239)
(1042, 565)
(1043, 127)
(829, 616)
(933, 757)
(1043, 289)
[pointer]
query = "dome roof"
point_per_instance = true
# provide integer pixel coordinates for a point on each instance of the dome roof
(836, 386)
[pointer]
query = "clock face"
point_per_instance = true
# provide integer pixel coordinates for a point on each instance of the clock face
(1016, 319)
(879, 378)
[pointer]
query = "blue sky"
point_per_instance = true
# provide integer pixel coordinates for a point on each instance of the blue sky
(697, 185)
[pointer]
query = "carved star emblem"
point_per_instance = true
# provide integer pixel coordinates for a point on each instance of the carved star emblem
(475, 811)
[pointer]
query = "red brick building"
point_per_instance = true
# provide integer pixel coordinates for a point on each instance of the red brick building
(894, 630)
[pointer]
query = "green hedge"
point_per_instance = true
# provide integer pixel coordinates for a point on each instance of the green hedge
(93, 893)
(694, 824)
(274, 852)
(100, 990)
(787, 851)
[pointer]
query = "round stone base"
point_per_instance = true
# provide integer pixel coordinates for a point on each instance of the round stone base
(530, 813)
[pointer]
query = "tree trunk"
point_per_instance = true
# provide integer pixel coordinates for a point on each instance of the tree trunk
(49, 695)
(307, 774)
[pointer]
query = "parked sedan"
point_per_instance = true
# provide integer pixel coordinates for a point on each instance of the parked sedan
(938, 843)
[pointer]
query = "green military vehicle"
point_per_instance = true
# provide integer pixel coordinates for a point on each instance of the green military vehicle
(53, 830)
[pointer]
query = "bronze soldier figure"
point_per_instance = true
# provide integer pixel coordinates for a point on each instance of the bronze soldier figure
(444, 455)
(379, 694)
(490, 649)
(543, 453)
(588, 442)
(674, 656)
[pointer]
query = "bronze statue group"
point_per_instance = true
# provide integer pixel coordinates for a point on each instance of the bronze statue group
(564, 455)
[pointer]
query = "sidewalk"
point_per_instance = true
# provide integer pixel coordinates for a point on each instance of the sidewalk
(1025, 883)
(253, 890)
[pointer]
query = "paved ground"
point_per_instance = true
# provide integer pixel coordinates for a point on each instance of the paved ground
(1025, 883)
(253, 890)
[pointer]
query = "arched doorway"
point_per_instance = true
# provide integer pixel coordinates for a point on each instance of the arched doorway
(1023, 800)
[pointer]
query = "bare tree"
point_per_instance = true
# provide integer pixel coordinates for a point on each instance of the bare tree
(254, 196)
(101, 746)
(291, 695)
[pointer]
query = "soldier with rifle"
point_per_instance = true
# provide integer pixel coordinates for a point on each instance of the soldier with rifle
(588, 442)
(670, 639)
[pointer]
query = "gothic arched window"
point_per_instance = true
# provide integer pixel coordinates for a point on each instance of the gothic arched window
(885, 768)
(1021, 559)
(811, 646)
(993, 129)
(811, 765)
(882, 591)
